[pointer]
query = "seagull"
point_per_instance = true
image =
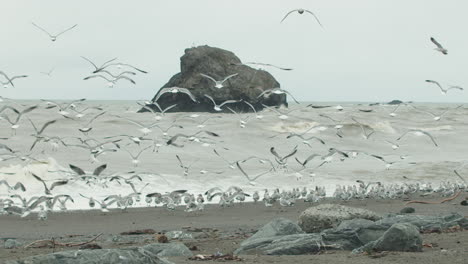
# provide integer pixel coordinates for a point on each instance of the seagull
(145, 129)
(281, 115)
(120, 65)
(14, 124)
(190, 137)
(49, 73)
(100, 68)
(85, 129)
(158, 115)
(80, 172)
(218, 107)
(175, 90)
(242, 122)
(63, 106)
(282, 160)
(258, 116)
(419, 132)
(186, 168)
(110, 82)
(253, 179)
(338, 124)
(135, 160)
(38, 134)
(311, 157)
(443, 90)
(437, 117)
(134, 139)
(17, 186)
(54, 37)
(219, 84)
(10, 80)
(306, 140)
(394, 145)
(301, 11)
(268, 92)
(365, 133)
(439, 47)
(3, 146)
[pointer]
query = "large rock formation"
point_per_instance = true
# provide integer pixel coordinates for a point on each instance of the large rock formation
(218, 63)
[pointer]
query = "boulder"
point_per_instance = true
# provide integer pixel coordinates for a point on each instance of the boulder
(277, 227)
(218, 63)
(297, 244)
(325, 216)
(399, 237)
(425, 222)
(11, 244)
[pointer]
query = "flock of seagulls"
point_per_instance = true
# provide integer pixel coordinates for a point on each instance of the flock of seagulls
(186, 131)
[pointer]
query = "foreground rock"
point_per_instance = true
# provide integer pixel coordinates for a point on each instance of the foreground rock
(399, 237)
(324, 216)
(218, 63)
(152, 253)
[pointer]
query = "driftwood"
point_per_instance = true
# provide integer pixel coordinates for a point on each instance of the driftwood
(53, 243)
(443, 201)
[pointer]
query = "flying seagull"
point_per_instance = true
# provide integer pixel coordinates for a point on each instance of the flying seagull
(219, 84)
(218, 107)
(442, 89)
(54, 37)
(301, 11)
(263, 64)
(10, 80)
(268, 92)
(110, 82)
(419, 132)
(175, 90)
(439, 47)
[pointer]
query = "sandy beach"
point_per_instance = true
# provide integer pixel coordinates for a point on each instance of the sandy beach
(222, 230)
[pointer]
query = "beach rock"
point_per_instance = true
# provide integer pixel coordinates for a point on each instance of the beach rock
(297, 244)
(407, 210)
(134, 255)
(395, 102)
(425, 223)
(218, 63)
(169, 250)
(325, 216)
(399, 237)
(11, 244)
(342, 239)
(277, 227)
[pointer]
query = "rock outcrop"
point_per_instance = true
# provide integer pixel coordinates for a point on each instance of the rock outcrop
(218, 63)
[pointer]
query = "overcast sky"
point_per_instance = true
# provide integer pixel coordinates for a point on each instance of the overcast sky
(367, 51)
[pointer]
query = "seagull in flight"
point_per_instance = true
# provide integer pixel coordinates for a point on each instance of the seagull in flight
(175, 90)
(54, 37)
(218, 107)
(268, 92)
(219, 84)
(442, 89)
(301, 11)
(10, 80)
(263, 65)
(110, 82)
(419, 132)
(439, 47)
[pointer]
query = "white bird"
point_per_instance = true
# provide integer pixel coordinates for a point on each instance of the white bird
(439, 47)
(268, 92)
(135, 160)
(157, 115)
(301, 11)
(85, 129)
(100, 68)
(419, 132)
(145, 129)
(436, 117)
(263, 64)
(218, 107)
(110, 82)
(257, 115)
(175, 90)
(253, 179)
(242, 121)
(54, 37)
(10, 80)
(443, 90)
(219, 84)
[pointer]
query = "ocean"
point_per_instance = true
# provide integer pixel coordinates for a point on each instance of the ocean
(416, 160)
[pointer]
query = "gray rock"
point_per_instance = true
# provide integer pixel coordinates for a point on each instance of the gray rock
(168, 249)
(150, 254)
(407, 210)
(277, 227)
(325, 216)
(297, 244)
(355, 224)
(11, 244)
(399, 237)
(424, 222)
(218, 63)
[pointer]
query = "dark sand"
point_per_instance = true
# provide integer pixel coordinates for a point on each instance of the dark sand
(225, 229)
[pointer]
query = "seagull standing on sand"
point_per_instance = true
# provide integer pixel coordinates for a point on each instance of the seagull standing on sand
(439, 47)
(54, 37)
(443, 90)
(219, 84)
(301, 11)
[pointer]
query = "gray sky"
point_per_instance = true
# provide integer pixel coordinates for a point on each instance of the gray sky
(368, 50)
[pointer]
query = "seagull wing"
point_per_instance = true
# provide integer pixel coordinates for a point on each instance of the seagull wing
(43, 30)
(97, 76)
(187, 92)
(316, 18)
(68, 29)
(209, 77)
(436, 83)
(229, 77)
(436, 43)
(46, 125)
(125, 78)
(99, 170)
(295, 10)
(76, 169)
(273, 151)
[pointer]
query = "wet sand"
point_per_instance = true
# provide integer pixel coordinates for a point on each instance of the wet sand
(226, 229)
